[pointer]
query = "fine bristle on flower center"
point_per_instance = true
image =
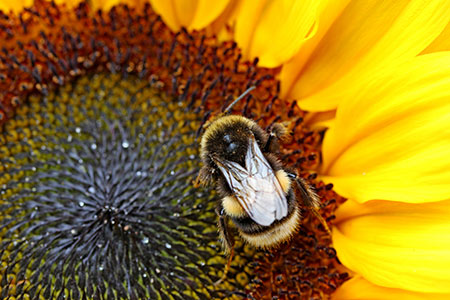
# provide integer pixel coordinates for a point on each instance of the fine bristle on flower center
(96, 192)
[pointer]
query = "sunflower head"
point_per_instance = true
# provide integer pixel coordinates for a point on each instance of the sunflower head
(98, 151)
(98, 191)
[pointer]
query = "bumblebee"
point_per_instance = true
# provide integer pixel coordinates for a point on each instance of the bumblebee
(259, 195)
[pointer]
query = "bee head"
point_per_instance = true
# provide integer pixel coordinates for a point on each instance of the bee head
(231, 144)
(207, 121)
(227, 138)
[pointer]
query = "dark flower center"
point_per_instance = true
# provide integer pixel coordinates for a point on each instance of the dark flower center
(99, 193)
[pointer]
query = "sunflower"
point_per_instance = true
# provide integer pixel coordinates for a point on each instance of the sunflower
(377, 74)
(101, 105)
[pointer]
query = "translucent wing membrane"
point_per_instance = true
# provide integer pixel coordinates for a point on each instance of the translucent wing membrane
(256, 187)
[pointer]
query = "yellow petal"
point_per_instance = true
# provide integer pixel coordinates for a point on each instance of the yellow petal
(441, 43)
(328, 12)
(222, 26)
(360, 289)
(396, 245)
(15, 6)
(391, 140)
(104, 4)
(71, 3)
(367, 36)
(318, 120)
(206, 13)
(192, 14)
(274, 30)
(168, 11)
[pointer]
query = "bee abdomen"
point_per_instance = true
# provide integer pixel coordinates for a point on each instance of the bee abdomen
(268, 236)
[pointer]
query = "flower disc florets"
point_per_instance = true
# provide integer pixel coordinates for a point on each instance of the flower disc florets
(97, 196)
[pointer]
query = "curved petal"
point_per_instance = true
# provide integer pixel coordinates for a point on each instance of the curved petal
(15, 6)
(273, 30)
(192, 14)
(206, 13)
(223, 25)
(391, 141)
(318, 120)
(74, 3)
(441, 43)
(328, 12)
(358, 288)
(169, 12)
(367, 37)
(103, 4)
(396, 245)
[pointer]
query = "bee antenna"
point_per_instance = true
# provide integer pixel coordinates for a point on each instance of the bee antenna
(229, 107)
(203, 124)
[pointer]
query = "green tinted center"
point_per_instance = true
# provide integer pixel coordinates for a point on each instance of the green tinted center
(97, 196)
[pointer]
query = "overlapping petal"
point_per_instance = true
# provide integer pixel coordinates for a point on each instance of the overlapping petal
(102, 4)
(328, 12)
(366, 37)
(396, 245)
(192, 14)
(391, 140)
(273, 30)
(15, 6)
(441, 43)
(358, 288)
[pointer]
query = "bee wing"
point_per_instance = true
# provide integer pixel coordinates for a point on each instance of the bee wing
(267, 184)
(256, 187)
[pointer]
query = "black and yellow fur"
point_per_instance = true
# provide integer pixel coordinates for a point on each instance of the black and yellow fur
(228, 137)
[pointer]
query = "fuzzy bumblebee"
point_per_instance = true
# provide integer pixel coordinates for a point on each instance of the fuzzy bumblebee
(259, 195)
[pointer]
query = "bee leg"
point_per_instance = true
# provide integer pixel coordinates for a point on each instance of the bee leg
(269, 142)
(197, 182)
(310, 199)
(203, 124)
(228, 241)
(276, 132)
(203, 178)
